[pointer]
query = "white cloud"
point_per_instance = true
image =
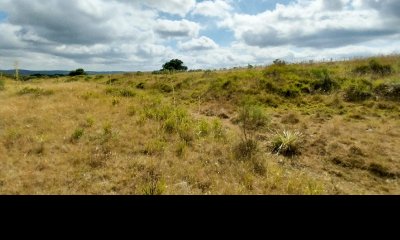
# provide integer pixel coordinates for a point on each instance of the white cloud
(202, 43)
(215, 8)
(178, 7)
(183, 28)
(305, 23)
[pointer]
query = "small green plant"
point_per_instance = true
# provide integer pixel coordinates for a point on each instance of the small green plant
(78, 133)
(203, 128)
(287, 143)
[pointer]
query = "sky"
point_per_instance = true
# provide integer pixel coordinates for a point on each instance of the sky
(141, 35)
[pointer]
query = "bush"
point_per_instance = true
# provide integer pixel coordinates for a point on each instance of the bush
(77, 72)
(78, 133)
(252, 117)
(287, 143)
(324, 83)
(246, 149)
(374, 67)
(357, 92)
(388, 91)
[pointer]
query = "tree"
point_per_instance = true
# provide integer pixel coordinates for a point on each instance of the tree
(279, 62)
(77, 72)
(175, 65)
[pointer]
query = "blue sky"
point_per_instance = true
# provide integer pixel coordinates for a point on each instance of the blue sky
(140, 35)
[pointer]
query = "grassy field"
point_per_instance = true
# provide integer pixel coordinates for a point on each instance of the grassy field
(328, 128)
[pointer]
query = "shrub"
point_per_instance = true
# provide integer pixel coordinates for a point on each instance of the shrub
(388, 91)
(246, 149)
(203, 128)
(78, 133)
(252, 117)
(287, 143)
(324, 83)
(357, 92)
(374, 67)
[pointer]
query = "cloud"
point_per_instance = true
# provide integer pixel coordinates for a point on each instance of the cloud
(216, 8)
(183, 28)
(198, 44)
(178, 7)
(318, 24)
(143, 34)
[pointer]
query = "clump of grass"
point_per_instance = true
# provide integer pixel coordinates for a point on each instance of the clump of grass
(203, 128)
(252, 117)
(89, 122)
(358, 92)
(218, 129)
(115, 101)
(287, 143)
(374, 67)
(122, 92)
(246, 149)
(77, 134)
(2, 84)
(388, 91)
(291, 118)
(154, 147)
(153, 182)
(35, 92)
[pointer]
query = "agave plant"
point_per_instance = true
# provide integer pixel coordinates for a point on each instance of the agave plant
(287, 143)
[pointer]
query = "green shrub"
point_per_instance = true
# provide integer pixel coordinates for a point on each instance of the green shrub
(78, 133)
(388, 91)
(358, 92)
(252, 117)
(324, 82)
(374, 67)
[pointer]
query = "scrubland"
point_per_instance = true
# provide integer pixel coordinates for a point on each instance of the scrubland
(323, 128)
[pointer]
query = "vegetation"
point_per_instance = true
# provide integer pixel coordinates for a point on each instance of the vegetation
(174, 65)
(77, 72)
(321, 128)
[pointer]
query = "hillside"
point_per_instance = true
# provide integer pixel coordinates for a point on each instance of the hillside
(324, 128)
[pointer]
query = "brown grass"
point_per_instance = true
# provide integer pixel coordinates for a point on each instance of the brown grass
(84, 138)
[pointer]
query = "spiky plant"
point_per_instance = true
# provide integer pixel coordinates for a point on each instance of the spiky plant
(287, 143)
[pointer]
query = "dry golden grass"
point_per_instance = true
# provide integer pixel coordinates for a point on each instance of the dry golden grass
(93, 137)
